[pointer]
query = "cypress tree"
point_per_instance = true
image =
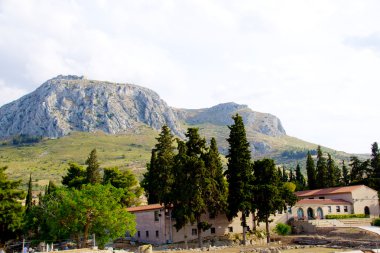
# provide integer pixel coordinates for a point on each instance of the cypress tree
(346, 175)
(29, 196)
(270, 193)
(311, 173)
(239, 173)
(375, 160)
(195, 184)
(158, 180)
(322, 176)
(150, 180)
(93, 168)
(333, 172)
(11, 210)
(300, 179)
(164, 165)
(217, 184)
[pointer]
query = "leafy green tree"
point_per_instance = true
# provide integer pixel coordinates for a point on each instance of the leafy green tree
(93, 168)
(311, 173)
(11, 210)
(322, 175)
(75, 177)
(239, 173)
(271, 195)
(29, 196)
(300, 179)
(127, 182)
(345, 174)
(95, 209)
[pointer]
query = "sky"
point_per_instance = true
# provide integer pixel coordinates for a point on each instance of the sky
(313, 64)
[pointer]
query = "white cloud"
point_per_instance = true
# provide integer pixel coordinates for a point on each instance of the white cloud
(305, 61)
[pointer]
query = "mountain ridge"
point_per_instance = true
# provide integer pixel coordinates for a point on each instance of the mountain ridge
(72, 103)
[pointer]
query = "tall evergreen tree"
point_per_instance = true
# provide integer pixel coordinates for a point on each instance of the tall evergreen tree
(311, 173)
(29, 196)
(181, 209)
(345, 174)
(375, 160)
(159, 179)
(197, 183)
(300, 179)
(359, 170)
(216, 186)
(239, 173)
(11, 210)
(51, 187)
(322, 175)
(150, 180)
(93, 168)
(270, 193)
(333, 172)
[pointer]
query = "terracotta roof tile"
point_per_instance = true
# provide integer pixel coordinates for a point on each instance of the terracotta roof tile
(328, 191)
(322, 202)
(144, 208)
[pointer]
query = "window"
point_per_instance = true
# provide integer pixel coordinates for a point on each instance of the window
(230, 229)
(338, 209)
(311, 198)
(138, 234)
(345, 209)
(156, 215)
(147, 234)
(289, 209)
(212, 230)
(157, 234)
(194, 231)
(329, 209)
(321, 197)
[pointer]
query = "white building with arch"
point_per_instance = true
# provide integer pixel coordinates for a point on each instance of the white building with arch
(355, 199)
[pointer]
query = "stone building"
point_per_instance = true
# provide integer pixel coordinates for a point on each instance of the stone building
(154, 225)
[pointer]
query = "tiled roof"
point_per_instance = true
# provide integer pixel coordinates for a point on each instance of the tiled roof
(144, 208)
(328, 191)
(322, 202)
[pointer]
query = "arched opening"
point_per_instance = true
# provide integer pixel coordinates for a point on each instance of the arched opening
(300, 214)
(310, 213)
(319, 213)
(366, 211)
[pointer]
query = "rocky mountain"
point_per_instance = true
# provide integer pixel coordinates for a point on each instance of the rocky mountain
(71, 103)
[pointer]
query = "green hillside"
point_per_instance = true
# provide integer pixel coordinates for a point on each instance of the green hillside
(48, 159)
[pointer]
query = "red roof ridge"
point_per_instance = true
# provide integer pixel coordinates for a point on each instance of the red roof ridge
(144, 208)
(327, 191)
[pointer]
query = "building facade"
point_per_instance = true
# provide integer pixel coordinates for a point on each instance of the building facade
(154, 225)
(316, 204)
